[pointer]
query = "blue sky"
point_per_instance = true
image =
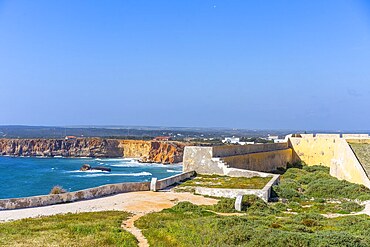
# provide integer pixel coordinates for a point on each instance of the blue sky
(242, 64)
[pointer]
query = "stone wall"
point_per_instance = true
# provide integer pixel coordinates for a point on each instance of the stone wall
(203, 160)
(264, 193)
(96, 192)
(356, 136)
(359, 140)
(44, 200)
(313, 150)
(263, 162)
(166, 182)
(333, 152)
(233, 150)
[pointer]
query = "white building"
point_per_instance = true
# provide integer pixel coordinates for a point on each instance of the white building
(232, 140)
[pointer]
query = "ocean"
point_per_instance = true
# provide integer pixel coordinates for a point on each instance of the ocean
(29, 176)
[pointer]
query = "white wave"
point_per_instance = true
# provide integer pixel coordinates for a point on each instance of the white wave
(124, 165)
(117, 159)
(88, 171)
(169, 170)
(115, 174)
(101, 163)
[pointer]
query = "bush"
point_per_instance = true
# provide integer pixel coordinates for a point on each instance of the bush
(349, 207)
(316, 182)
(57, 190)
(249, 202)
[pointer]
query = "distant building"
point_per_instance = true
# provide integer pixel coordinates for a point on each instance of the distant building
(279, 140)
(162, 138)
(70, 138)
(231, 140)
(248, 143)
(271, 137)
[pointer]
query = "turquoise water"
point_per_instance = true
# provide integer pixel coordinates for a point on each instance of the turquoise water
(26, 176)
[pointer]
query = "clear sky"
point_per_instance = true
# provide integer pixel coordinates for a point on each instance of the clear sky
(207, 63)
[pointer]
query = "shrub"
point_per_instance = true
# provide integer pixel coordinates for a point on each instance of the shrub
(349, 207)
(57, 190)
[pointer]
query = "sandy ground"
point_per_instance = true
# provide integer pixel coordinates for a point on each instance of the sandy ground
(135, 202)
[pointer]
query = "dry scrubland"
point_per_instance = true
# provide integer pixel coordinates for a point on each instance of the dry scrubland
(302, 216)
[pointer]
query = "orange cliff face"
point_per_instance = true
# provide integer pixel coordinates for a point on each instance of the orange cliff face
(145, 151)
(165, 152)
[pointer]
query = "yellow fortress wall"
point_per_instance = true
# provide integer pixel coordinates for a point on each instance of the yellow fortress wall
(331, 151)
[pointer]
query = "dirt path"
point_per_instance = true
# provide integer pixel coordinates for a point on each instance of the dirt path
(366, 211)
(129, 226)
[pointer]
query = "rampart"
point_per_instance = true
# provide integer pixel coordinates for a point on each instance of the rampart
(258, 157)
(331, 151)
(233, 150)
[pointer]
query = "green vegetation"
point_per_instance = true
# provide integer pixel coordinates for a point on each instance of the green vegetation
(217, 181)
(262, 225)
(362, 151)
(83, 229)
(312, 189)
(296, 220)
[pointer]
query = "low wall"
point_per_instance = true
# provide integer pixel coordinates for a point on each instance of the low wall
(320, 135)
(44, 200)
(263, 162)
(164, 183)
(264, 193)
(232, 150)
(355, 136)
(96, 192)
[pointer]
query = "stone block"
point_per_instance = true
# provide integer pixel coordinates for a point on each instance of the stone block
(238, 202)
(153, 184)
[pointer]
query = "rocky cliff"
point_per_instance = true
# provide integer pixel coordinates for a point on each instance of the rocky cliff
(146, 151)
(153, 151)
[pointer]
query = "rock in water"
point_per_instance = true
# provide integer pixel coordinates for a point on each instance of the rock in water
(85, 167)
(101, 168)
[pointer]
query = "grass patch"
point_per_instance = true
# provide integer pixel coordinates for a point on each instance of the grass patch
(190, 225)
(217, 181)
(83, 229)
(311, 189)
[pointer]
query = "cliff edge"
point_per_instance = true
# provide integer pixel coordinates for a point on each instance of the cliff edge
(145, 151)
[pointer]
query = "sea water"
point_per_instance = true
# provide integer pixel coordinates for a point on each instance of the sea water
(29, 176)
